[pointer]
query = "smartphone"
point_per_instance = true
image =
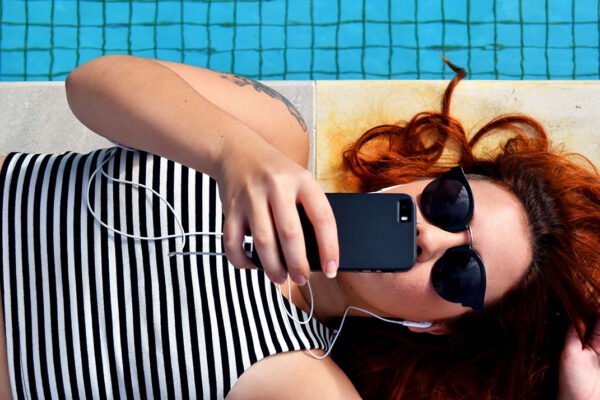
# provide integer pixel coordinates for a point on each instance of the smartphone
(376, 232)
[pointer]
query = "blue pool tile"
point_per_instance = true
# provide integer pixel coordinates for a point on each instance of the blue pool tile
(429, 10)
(90, 37)
(482, 64)
(12, 36)
(586, 34)
(247, 13)
(404, 35)
(324, 61)
(65, 36)
(430, 35)
(198, 58)
(509, 34)
(169, 55)
(12, 62)
(352, 10)
(90, 13)
(246, 37)
(273, 12)
(455, 10)
(377, 34)
(142, 37)
(13, 11)
(272, 62)
(402, 11)
(560, 10)
(65, 13)
(325, 36)
(298, 36)
(482, 11)
(117, 12)
(404, 61)
(509, 63)
(220, 13)
(39, 12)
(586, 10)
(298, 76)
(507, 11)
(586, 61)
(168, 36)
(350, 35)
(116, 38)
(221, 38)
(482, 35)
(534, 62)
(272, 37)
(195, 12)
(325, 12)
(169, 12)
(377, 10)
(534, 35)
(246, 62)
(533, 11)
(195, 37)
(38, 37)
(560, 36)
(377, 61)
(349, 61)
(38, 62)
(220, 61)
(143, 12)
(298, 12)
(298, 59)
(456, 35)
(560, 63)
(86, 55)
(64, 61)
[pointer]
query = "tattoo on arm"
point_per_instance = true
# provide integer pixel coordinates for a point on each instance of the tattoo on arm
(259, 87)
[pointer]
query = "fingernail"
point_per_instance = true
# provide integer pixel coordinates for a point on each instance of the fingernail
(300, 280)
(331, 269)
(281, 279)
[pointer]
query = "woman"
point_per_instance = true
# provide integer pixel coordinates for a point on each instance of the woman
(215, 123)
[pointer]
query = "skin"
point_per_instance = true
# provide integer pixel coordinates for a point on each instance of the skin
(205, 121)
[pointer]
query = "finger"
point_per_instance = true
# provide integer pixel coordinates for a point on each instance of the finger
(318, 210)
(265, 243)
(233, 237)
(291, 237)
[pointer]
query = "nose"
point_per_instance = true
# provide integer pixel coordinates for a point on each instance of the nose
(432, 242)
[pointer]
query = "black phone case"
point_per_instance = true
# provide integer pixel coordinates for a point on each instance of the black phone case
(371, 234)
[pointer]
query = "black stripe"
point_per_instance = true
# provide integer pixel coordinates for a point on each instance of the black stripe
(99, 367)
(245, 316)
(37, 233)
(270, 326)
(260, 330)
(80, 209)
(135, 292)
(229, 278)
(50, 206)
(120, 279)
(12, 199)
(162, 290)
(147, 277)
(279, 316)
(63, 246)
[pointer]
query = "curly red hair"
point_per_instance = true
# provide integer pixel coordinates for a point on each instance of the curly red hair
(511, 348)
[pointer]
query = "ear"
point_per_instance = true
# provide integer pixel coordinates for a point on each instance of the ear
(437, 328)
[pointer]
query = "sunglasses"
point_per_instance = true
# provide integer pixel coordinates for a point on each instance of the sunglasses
(459, 275)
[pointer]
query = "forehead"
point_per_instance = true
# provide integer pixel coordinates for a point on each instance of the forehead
(501, 236)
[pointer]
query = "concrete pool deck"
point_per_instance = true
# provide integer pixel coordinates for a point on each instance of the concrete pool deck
(36, 117)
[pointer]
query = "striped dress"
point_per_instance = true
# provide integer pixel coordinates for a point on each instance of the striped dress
(92, 314)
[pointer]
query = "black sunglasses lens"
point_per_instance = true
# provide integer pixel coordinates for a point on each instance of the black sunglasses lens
(457, 276)
(445, 202)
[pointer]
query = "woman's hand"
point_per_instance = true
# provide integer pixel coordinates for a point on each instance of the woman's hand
(260, 189)
(579, 373)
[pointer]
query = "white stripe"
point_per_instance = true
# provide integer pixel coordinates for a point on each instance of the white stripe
(117, 349)
(272, 309)
(76, 345)
(288, 328)
(261, 314)
(49, 326)
(167, 276)
(240, 320)
(250, 313)
(86, 286)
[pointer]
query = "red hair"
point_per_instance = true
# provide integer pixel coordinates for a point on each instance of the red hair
(511, 348)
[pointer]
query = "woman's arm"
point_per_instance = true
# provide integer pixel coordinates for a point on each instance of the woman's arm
(158, 107)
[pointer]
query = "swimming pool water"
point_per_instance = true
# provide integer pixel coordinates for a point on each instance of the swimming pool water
(303, 39)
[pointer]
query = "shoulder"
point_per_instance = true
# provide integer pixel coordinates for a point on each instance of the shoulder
(293, 375)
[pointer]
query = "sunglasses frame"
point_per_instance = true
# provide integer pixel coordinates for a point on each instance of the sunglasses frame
(476, 301)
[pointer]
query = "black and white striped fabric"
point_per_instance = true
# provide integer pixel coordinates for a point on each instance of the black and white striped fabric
(91, 314)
